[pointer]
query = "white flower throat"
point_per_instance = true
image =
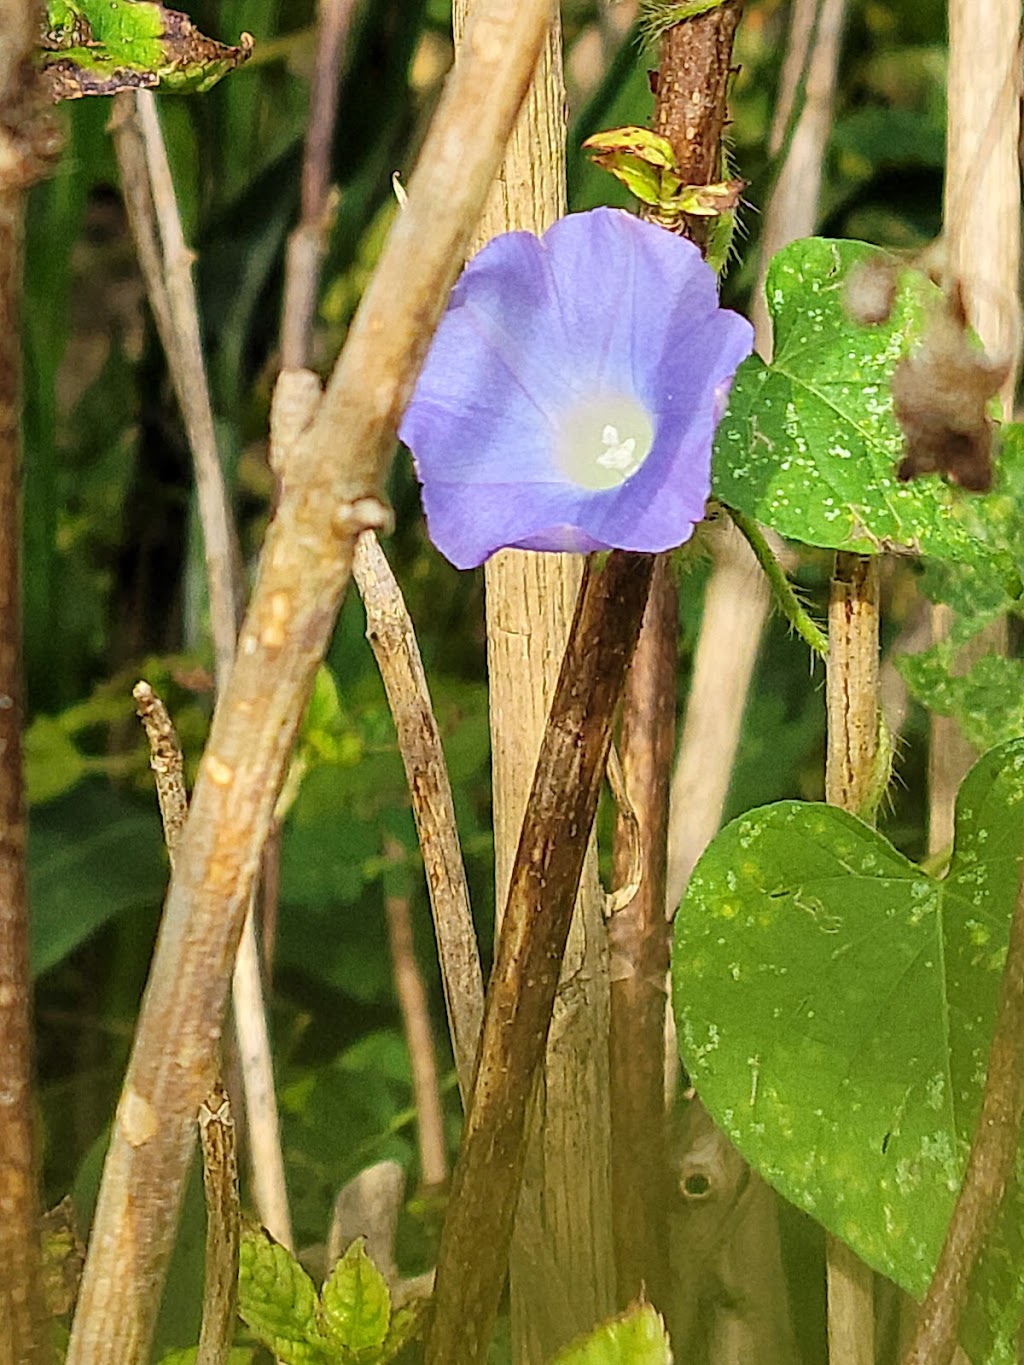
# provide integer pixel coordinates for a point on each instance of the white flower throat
(604, 440)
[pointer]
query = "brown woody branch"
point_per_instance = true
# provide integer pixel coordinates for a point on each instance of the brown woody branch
(690, 110)
(26, 143)
(520, 996)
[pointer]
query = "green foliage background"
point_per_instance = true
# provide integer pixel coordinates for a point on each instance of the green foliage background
(113, 570)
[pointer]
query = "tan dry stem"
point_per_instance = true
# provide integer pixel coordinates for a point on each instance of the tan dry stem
(333, 490)
(852, 707)
(393, 640)
(167, 262)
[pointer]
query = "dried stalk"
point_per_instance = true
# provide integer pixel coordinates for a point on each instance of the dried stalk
(24, 1339)
(390, 631)
(167, 762)
(391, 635)
(561, 1260)
(638, 940)
(415, 1012)
(989, 1166)
(852, 706)
(167, 267)
(521, 992)
(333, 490)
(216, 1125)
(307, 245)
(690, 110)
(223, 1228)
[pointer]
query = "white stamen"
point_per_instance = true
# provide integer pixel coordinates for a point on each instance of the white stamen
(605, 440)
(620, 454)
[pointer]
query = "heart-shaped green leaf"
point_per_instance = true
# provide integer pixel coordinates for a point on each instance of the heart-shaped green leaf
(835, 1007)
(809, 444)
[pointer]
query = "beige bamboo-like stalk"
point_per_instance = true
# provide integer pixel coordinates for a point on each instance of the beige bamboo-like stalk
(564, 1212)
(333, 490)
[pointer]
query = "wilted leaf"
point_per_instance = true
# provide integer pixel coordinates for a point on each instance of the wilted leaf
(810, 444)
(98, 47)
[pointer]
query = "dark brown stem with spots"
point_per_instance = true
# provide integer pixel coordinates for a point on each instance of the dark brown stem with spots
(638, 942)
(517, 1013)
(690, 110)
(23, 1334)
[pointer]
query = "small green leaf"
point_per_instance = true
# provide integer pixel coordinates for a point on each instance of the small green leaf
(638, 1337)
(277, 1300)
(809, 444)
(652, 148)
(835, 1006)
(355, 1303)
(98, 47)
(643, 161)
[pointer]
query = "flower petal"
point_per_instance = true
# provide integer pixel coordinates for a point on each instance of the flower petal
(604, 314)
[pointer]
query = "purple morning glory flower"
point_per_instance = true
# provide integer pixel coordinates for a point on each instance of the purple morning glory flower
(572, 391)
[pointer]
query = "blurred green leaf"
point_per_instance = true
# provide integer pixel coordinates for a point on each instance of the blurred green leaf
(835, 1008)
(238, 1355)
(92, 856)
(638, 1337)
(986, 701)
(53, 762)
